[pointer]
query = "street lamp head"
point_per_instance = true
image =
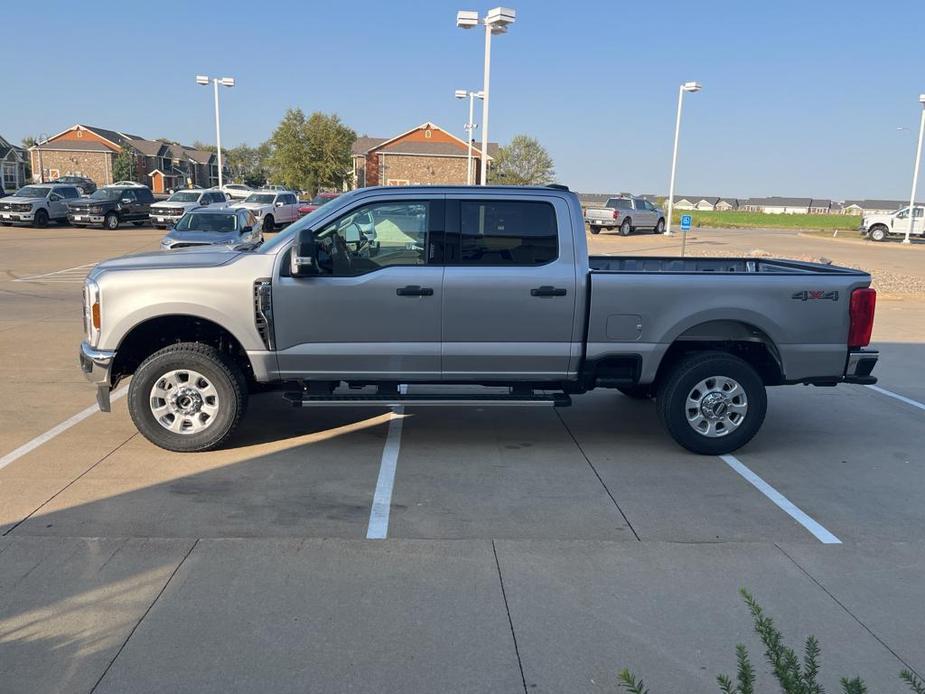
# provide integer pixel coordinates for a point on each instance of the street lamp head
(461, 93)
(466, 19)
(500, 18)
(922, 98)
(202, 79)
(227, 81)
(692, 86)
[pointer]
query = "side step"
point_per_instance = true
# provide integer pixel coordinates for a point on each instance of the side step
(430, 400)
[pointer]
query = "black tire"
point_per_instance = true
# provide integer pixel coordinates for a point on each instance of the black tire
(111, 221)
(268, 224)
(224, 375)
(877, 233)
(638, 392)
(659, 227)
(626, 228)
(40, 221)
(595, 230)
(681, 380)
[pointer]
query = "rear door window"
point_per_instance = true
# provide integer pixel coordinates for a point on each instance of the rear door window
(507, 233)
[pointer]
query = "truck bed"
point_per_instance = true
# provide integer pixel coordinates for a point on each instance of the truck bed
(647, 264)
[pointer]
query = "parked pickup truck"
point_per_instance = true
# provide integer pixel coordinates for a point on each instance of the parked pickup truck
(627, 215)
(450, 286)
(880, 227)
(272, 208)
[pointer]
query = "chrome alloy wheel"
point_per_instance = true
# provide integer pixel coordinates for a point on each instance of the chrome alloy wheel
(184, 401)
(716, 406)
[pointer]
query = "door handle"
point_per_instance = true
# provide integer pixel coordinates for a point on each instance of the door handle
(414, 290)
(547, 290)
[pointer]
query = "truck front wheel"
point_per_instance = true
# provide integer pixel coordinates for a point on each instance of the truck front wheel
(187, 397)
(712, 402)
(878, 233)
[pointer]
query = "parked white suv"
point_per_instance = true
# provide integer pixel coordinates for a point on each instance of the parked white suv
(880, 227)
(273, 209)
(37, 204)
(236, 191)
(166, 214)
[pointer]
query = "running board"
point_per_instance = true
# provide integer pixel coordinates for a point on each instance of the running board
(429, 400)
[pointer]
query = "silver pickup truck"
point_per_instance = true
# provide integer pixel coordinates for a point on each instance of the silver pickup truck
(463, 286)
(626, 215)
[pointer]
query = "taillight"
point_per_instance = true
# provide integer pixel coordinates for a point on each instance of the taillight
(616, 213)
(861, 313)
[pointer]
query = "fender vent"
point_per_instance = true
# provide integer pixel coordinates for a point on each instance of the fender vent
(263, 311)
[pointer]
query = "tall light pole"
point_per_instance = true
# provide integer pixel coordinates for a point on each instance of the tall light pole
(915, 173)
(43, 140)
(496, 22)
(686, 87)
(225, 82)
(469, 127)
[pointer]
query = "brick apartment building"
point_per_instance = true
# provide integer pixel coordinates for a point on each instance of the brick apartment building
(85, 150)
(427, 154)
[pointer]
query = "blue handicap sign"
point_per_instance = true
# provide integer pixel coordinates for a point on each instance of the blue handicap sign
(685, 222)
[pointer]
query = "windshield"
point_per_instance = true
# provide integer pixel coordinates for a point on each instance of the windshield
(305, 221)
(106, 194)
(262, 198)
(183, 197)
(31, 192)
(322, 198)
(192, 221)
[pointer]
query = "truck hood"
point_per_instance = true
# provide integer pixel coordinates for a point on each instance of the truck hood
(253, 206)
(207, 256)
(202, 237)
(16, 201)
(175, 205)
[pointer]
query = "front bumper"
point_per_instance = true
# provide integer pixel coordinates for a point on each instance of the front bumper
(12, 217)
(96, 365)
(83, 218)
(860, 364)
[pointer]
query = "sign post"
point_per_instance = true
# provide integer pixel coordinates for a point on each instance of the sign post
(685, 228)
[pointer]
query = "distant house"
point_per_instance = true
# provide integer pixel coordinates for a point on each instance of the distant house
(727, 204)
(778, 205)
(694, 202)
(820, 206)
(85, 150)
(873, 206)
(12, 166)
(426, 154)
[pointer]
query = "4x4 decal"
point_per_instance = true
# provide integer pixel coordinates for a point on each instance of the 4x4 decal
(814, 295)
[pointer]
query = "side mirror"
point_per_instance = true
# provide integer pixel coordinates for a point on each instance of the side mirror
(280, 204)
(247, 230)
(126, 201)
(303, 259)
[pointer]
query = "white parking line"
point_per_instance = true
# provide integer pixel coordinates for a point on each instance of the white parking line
(378, 528)
(70, 274)
(54, 431)
(897, 396)
(787, 506)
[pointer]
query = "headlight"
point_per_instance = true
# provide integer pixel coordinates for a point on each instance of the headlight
(92, 312)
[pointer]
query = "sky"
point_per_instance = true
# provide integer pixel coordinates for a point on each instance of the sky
(816, 98)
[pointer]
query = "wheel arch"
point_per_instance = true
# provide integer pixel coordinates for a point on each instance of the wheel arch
(153, 334)
(738, 337)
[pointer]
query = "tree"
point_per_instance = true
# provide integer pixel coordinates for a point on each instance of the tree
(202, 146)
(123, 166)
(524, 162)
(248, 164)
(310, 153)
(28, 141)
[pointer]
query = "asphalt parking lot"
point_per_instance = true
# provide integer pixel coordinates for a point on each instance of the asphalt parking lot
(522, 550)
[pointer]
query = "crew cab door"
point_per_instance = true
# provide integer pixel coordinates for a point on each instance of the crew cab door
(374, 311)
(286, 208)
(901, 221)
(509, 288)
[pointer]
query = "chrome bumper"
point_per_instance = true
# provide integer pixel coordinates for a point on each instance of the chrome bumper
(860, 365)
(96, 365)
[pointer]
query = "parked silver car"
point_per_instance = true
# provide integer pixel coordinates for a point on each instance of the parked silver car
(213, 226)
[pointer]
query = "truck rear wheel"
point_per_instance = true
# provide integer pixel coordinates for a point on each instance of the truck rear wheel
(712, 402)
(626, 228)
(595, 230)
(187, 397)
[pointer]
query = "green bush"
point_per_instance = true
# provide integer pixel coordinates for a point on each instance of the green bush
(795, 676)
